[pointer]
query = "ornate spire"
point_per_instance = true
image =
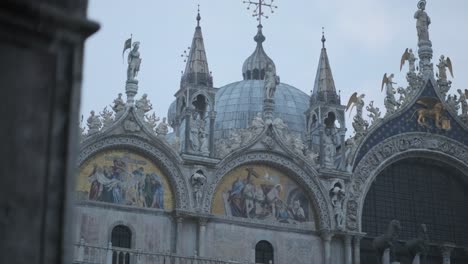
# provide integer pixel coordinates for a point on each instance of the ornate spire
(196, 70)
(255, 66)
(324, 87)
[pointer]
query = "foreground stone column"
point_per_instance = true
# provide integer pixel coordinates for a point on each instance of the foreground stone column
(201, 236)
(348, 252)
(357, 249)
(179, 226)
(41, 48)
(446, 250)
(326, 238)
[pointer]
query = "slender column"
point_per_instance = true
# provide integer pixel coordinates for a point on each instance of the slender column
(326, 238)
(201, 236)
(322, 150)
(109, 253)
(357, 249)
(188, 117)
(211, 136)
(348, 252)
(343, 152)
(180, 221)
(446, 250)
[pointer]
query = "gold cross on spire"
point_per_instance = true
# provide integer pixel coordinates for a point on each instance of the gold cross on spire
(258, 11)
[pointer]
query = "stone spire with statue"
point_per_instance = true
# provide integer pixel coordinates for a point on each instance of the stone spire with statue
(424, 43)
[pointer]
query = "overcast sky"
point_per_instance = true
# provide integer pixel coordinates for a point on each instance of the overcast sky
(365, 39)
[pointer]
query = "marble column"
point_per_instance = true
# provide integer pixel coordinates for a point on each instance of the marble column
(326, 239)
(446, 250)
(179, 238)
(201, 236)
(41, 46)
(357, 249)
(212, 116)
(188, 117)
(348, 251)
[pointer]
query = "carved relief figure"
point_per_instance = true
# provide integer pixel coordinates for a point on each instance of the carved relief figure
(329, 149)
(198, 180)
(422, 22)
(337, 195)
(143, 104)
(119, 106)
(453, 101)
(374, 112)
(271, 80)
(163, 128)
(94, 123)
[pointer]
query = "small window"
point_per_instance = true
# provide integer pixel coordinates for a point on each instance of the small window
(264, 252)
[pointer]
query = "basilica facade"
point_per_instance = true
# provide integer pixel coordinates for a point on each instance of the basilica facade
(257, 171)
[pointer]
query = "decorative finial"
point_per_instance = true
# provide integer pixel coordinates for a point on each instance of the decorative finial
(323, 37)
(258, 12)
(198, 16)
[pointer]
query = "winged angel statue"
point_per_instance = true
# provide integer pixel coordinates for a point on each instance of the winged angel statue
(444, 63)
(390, 101)
(359, 124)
(408, 55)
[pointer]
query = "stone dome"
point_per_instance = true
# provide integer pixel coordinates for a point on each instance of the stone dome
(238, 103)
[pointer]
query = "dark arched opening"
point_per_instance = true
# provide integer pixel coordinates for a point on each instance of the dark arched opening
(121, 237)
(416, 191)
(264, 252)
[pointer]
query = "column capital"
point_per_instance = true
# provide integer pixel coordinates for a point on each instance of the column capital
(202, 221)
(446, 248)
(326, 235)
(212, 114)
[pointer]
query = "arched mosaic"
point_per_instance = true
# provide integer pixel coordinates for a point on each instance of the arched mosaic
(124, 177)
(263, 193)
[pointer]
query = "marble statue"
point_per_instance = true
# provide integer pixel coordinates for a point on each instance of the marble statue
(143, 105)
(152, 120)
(194, 138)
(359, 124)
(453, 102)
(408, 55)
(444, 63)
(337, 195)
(198, 180)
(329, 149)
(390, 101)
(374, 112)
(162, 128)
(350, 149)
(257, 122)
(388, 240)
(271, 81)
(134, 61)
(107, 117)
(462, 99)
(297, 145)
(94, 123)
(119, 106)
(403, 95)
(422, 22)
(203, 139)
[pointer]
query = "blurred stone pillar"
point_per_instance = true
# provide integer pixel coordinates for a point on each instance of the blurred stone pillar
(201, 236)
(326, 239)
(41, 49)
(446, 250)
(348, 251)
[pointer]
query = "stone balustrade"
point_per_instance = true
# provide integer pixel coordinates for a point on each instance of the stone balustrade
(92, 254)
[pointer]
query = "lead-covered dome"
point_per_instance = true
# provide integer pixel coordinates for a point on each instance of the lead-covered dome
(238, 103)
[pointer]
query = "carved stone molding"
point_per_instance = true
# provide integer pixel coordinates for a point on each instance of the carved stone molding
(176, 179)
(397, 148)
(305, 177)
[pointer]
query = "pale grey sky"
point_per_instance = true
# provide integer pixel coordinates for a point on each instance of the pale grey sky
(365, 39)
